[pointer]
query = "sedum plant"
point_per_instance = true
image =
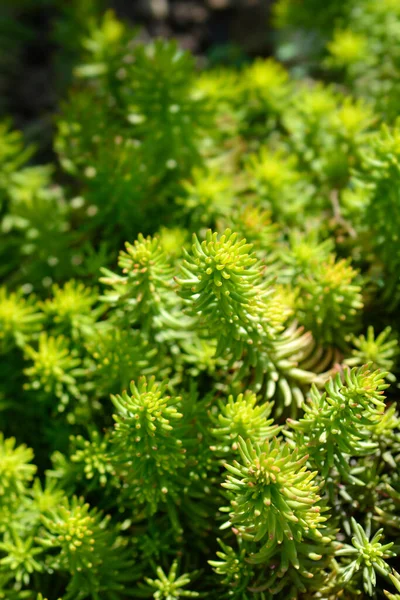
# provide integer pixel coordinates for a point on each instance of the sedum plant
(87, 549)
(144, 426)
(354, 406)
(368, 555)
(199, 318)
(171, 586)
(272, 495)
(20, 319)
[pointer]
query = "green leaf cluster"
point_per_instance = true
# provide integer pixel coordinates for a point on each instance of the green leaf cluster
(199, 321)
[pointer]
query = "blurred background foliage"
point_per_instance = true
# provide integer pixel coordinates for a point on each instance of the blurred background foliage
(41, 41)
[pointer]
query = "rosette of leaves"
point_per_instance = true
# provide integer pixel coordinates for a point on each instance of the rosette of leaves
(206, 197)
(20, 319)
(54, 372)
(338, 423)
(268, 89)
(285, 367)
(379, 351)
(20, 558)
(84, 547)
(347, 48)
(256, 225)
(173, 240)
(301, 255)
(223, 285)
(145, 293)
(365, 557)
(330, 301)
(262, 567)
(147, 447)
(43, 496)
(170, 586)
(241, 417)
(235, 571)
(279, 184)
(273, 500)
(71, 309)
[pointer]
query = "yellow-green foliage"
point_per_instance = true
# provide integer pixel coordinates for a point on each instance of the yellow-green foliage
(199, 319)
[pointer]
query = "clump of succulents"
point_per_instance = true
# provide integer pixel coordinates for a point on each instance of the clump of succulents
(199, 320)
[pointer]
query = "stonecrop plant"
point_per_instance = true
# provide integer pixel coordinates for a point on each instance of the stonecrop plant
(199, 319)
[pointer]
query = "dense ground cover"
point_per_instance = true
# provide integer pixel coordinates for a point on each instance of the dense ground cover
(199, 321)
